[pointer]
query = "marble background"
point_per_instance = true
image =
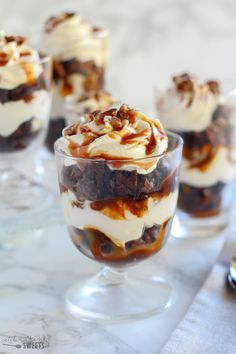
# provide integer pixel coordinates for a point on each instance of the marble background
(149, 40)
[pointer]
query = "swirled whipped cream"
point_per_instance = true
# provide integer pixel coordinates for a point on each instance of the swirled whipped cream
(118, 134)
(18, 62)
(188, 105)
(70, 36)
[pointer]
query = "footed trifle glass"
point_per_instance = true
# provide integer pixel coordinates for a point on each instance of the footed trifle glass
(25, 101)
(118, 212)
(203, 113)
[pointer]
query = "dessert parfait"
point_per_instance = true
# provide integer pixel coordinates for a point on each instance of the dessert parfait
(204, 116)
(118, 175)
(79, 52)
(25, 98)
(24, 95)
(118, 211)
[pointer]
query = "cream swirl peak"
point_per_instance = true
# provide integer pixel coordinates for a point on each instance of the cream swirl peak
(188, 105)
(118, 134)
(18, 62)
(70, 36)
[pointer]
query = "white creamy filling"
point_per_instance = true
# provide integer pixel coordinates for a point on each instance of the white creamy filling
(176, 115)
(221, 169)
(14, 75)
(89, 49)
(74, 38)
(14, 113)
(119, 231)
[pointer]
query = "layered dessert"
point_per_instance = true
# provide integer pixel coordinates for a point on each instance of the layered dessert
(200, 113)
(24, 94)
(118, 174)
(76, 108)
(79, 51)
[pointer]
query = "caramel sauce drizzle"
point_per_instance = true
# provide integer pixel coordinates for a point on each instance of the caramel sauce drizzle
(116, 208)
(18, 39)
(25, 53)
(29, 72)
(67, 88)
(119, 254)
(3, 59)
(202, 157)
(117, 117)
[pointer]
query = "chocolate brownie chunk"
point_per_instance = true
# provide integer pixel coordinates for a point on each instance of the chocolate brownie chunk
(97, 245)
(54, 132)
(20, 139)
(201, 201)
(23, 91)
(94, 74)
(96, 181)
(218, 133)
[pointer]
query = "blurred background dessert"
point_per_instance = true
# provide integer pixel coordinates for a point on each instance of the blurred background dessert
(204, 115)
(79, 51)
(25, 101)
(149, 40)
(24, 95)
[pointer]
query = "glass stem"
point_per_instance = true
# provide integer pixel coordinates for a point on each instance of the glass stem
(114, 275)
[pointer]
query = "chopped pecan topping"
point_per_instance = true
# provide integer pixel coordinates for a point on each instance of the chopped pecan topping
(127, 113)
(214, 86)
(117, 116)
(25, 53)
(18, 39)
(184, 83)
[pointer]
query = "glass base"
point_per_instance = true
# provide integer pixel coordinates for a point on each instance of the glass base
(25, 208)
(112, 296)
(185, 226)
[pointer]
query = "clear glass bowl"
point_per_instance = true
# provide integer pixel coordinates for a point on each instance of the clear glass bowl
(119, 217)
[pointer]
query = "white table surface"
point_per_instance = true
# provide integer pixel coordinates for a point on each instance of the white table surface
(34, 277)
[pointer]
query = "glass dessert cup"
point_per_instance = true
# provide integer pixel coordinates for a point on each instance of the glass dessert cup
(24, 117)
(208, 168)
(119, 217)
